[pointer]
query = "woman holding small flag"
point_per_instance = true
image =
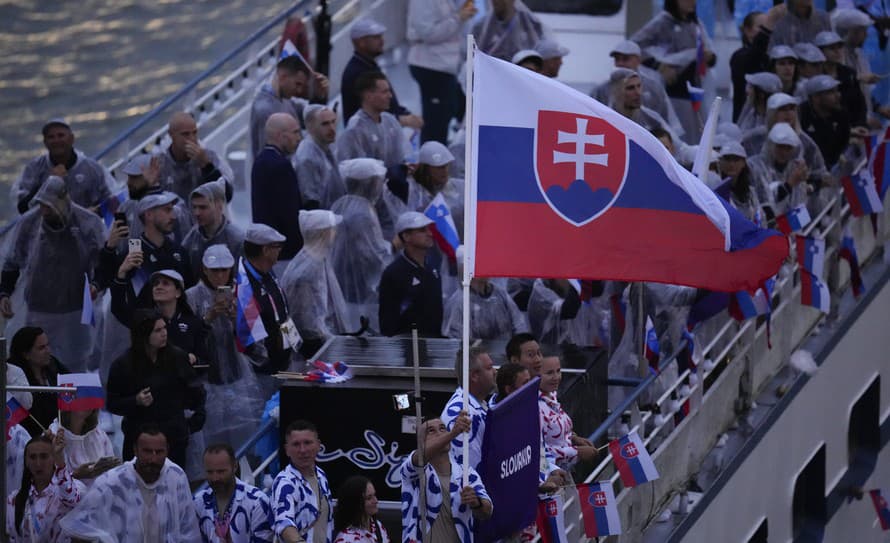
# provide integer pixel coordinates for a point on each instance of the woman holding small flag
(88, 449)
(30, 350)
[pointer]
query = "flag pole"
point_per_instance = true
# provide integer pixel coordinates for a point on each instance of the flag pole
(470, 242)
(418, 424)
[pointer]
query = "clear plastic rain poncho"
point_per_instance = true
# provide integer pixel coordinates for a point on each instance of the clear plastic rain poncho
(319, 174)
(360, 252)
(53, 261)
(309, 283)
(493, 315)
(114, 510)
(771, 178)
(88, 182)
(545, 322)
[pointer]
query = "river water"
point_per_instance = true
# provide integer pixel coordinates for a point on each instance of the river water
(101, 64)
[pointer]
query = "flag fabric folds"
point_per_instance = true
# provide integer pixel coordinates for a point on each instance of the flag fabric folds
(109, 206)
(745, 305)
(632, 460)
(811, 258)
(550, 520)
(793, 221)
(87, 315)
(876, 148)
(249, 327)
(290, 50)
(87, 394)
(444, 230)
(696, 96)
(322, 372)
(653, 349)
(881, 507)
(599, 509)
(861, 194)
(15, 413)
(561, 181)
(848, 253)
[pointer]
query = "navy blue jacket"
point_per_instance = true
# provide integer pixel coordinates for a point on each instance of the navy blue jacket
(275, 197)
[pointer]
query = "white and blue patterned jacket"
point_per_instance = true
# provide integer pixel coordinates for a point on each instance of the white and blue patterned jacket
(463, 516)
(477, 412)
(296, 505)
(251, 517)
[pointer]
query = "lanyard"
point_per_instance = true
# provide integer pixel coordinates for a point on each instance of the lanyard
(221, 524)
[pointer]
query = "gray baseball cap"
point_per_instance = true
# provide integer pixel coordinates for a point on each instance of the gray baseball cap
(412, 220)
(821, 83)
(766, 81)
(783, 134)
(217, 257)
(626, 47)
(365, 27)
(155, 200)
(826, 38)
(136, 165)
(435, 154)
(782, 51)
(808, 52)
(549, 48)
(261, 234)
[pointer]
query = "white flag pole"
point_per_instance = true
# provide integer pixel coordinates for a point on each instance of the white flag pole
(703, 153)
(469, 243)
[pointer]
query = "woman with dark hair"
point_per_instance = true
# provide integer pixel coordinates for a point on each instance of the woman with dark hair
(30, 350)
(47, 493)
(153, 382)
(676, 32)
(355, 517)
(738, 187)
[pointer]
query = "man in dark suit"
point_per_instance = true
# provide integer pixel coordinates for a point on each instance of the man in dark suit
(274, 190)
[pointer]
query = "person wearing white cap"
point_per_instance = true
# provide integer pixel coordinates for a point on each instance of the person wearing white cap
(810, 60)
(739, 187)
(234, 400)
(761, 85)
(780, 172)
(262, 246)
(288, 92)
(854, 100)
(54, 248)
(529, 59)
(852, 25)
(436, 36)
(800, 22)
(211, 225)
(310, 285)
(626, 54)
(314, 162)
(88, 182)
(360, 251)
(367, 42)
(783, 63)
(186, 163)
(824, 120)
(509, 27)
(551, 53)
(430, 178)
(410, 291)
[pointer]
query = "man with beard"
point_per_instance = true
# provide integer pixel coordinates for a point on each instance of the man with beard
(86, 180)
(314, 162)
(143, 179)
(230, 510)
(55, 247)
(145, 499)
(187, 164)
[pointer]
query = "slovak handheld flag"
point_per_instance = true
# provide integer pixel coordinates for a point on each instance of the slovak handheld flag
(87, 393)
(599, 509)
(696, 96)
(793, 221)
(249, 327)
(744, 305)
(562, 186)
(814, 292)
(632, 460)
(550, 521)
(290, 50)
(701, 66)
(861, 194)
(653, 349)
(879, 165)
(15, 413)
(881, 507)
(444, 231)
(811, 254)
(848, 253)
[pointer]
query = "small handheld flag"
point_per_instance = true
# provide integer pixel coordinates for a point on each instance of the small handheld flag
(701, 65)
(811, 254)
(249, 327)
(87, 392)
(87, 317)
(696, 96)
(881, 507)
(744, 305)
(599, 509)
(632, 460)
(814, 292)
(444, 230)
(550, 521)
(323, 372)
(793, 221)
(290, 50)
(848, 253)
(15, 413)
(861, 194)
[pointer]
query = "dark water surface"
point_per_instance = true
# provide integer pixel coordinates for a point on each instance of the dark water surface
(101, 64)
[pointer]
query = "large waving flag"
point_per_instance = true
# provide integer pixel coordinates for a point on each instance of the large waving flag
(566, 187)
(881, 507)
(87, 394)
(444, 232)
(599, 509)
(249, 327)
(632, 460)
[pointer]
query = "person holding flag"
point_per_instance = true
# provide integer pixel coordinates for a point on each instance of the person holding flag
(451, 509)
(482, 384)
(30, 350)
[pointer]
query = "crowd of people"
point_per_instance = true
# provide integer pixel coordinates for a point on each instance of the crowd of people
(187, 316)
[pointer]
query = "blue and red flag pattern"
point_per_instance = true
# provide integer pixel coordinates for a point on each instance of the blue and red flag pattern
(793, 221)
(444, 230)
(861, 194)
(696, 96)
(848, 253)
(745, 305)
(811, 254)
(87, 392)
(599, 509)
(701, 65)
(881, 507)
(566, 188)
(653, 348)
(249, 327)
(632, 460)
(15, 413)
(550, 520)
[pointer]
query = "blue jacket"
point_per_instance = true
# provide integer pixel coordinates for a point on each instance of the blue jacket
(275, 197)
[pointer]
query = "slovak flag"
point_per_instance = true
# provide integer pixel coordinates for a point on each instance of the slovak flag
(444, 231)
(848, 253)
(811, 254)
(632, 460)
(87, 394)
(598, 195)
(290, 50)
(860, 191)
(744, 305)
(814, 292)
(249, 327)
(701, 66)
(599, 509)
(550, 521)
(881, 507)
(15, 413)
(653, 348)
(879, 165)
(696, 96)
(793, 221)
